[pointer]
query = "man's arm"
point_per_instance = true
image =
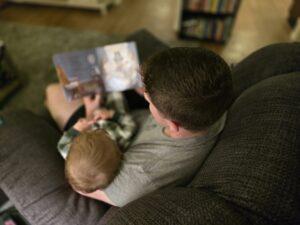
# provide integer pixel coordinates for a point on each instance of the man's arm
(98, 195)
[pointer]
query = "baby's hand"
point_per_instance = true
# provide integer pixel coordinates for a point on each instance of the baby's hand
(103, 114)
(91, 103)
(140, 91)
(83, 124)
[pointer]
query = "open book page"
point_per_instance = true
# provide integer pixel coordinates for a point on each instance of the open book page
(109, 68)
(79, 73)
(120, 66)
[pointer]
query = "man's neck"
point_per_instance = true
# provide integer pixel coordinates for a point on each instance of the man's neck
(183, 133)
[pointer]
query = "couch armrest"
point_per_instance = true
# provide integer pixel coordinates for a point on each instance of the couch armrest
(255, 164)
(177, 206)
(32, 174)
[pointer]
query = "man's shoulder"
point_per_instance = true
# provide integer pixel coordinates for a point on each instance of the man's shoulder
(154, 161)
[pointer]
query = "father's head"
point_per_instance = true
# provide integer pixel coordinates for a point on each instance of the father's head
(187, 87)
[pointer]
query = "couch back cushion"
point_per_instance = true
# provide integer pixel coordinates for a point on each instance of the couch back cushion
(255, 164)
(269, 61)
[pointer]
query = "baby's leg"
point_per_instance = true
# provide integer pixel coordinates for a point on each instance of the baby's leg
(59, 108)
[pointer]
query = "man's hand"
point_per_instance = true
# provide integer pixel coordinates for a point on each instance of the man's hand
(91, 103)
(83, 124)
(103, 114)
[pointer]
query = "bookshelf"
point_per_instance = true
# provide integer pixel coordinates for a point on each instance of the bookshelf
(294, 13)
(207, 20)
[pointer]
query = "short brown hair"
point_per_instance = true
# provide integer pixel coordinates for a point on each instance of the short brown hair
(92, 162)
(191, 86)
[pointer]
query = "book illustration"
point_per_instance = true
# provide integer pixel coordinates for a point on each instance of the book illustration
(109, 68)
(78, 73)
(120, 66)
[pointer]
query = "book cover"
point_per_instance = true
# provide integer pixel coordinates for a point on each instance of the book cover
(102, 69)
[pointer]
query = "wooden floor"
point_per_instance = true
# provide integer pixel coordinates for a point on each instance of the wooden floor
(258, 23)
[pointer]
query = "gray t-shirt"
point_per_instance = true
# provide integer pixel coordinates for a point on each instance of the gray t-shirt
(155, 161)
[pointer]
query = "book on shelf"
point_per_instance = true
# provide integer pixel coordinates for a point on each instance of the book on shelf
(207, 28)
(103, 69)
(211, 6)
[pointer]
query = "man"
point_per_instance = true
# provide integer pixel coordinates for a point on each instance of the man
(189, 91)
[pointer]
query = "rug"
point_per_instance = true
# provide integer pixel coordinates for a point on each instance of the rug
(31, 49)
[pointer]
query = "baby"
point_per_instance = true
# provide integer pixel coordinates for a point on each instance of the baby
(92, 147)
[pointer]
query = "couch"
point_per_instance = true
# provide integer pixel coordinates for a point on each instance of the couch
(250, 177)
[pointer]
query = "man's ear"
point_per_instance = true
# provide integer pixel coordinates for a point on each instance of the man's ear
(173, 126)
(146, 96)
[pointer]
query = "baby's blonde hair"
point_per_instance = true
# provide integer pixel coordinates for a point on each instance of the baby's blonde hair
(93, 161)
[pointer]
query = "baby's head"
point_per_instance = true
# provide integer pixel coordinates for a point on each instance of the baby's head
(93, 161)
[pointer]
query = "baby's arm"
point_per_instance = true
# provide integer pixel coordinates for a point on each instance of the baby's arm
(126, 129)
(126, 125)
(91, 104)
(65, 141)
